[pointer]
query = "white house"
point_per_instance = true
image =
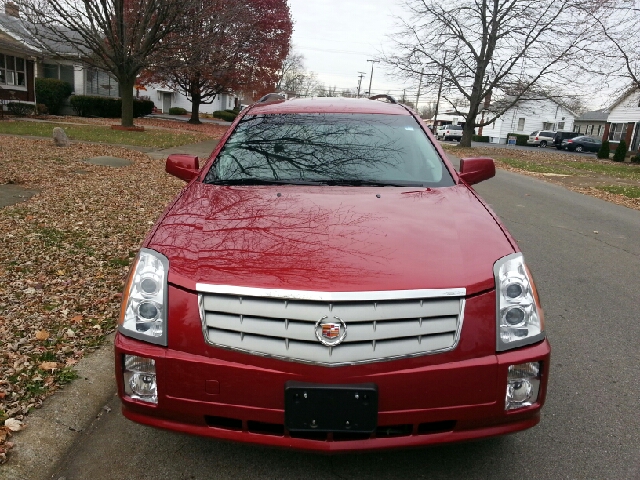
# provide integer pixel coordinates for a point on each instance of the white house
(164, 98)
(624, 120)
(528, 116)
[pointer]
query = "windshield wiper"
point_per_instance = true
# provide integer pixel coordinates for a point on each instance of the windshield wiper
(260, 181)
(373, 183)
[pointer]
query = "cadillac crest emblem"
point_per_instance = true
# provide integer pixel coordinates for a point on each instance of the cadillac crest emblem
(331, 333)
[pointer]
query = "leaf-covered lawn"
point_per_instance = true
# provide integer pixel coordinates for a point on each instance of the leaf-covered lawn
(64, 256)
(158, 138)
(614, 182)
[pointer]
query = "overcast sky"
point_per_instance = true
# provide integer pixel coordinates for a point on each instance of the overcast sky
(337, 37)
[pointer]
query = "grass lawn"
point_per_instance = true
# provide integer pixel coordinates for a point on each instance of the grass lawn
(93, 133)
(569, 167)
(631, 192)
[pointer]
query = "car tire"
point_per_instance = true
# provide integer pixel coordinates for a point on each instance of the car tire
(579, 148)
(543, 144)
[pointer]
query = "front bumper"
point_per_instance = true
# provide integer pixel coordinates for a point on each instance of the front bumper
(420, 403)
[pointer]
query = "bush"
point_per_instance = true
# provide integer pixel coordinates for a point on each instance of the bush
(177, 111)
(107, 107)
(621, 151)
(52, 93)
(635, 158)
(480, 138)
(520, 139)
(604, 151)
(20, 109)
(41, 109)
(224, 115)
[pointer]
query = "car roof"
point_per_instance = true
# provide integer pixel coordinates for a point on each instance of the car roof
(328, 105)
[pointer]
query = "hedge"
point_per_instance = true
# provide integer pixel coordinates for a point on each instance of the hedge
(520, 139)
(107, 107)
(635, 158)
(177, 111)
(229, 116)
(480, 138)
(20, 109)
(52, 93)
(621, 151)
(604, 150)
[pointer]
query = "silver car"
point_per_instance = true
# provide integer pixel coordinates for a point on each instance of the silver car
(450, 132)
(541, 138)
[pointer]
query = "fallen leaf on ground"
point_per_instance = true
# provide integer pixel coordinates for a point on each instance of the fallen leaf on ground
(42, 335)
(14, 424)
(48, 365)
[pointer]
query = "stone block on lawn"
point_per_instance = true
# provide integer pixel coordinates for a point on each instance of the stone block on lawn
(109, 161)
(60, 137)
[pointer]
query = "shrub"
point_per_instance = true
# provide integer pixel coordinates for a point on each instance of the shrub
(41, 109)
(20, 109)
(142, 108)
(52, 93)
(177, 111)
(635, 158)
(224, 115)
(107, 107)
(480, 138)
(621, 151)
(604, 150)
(520, 139)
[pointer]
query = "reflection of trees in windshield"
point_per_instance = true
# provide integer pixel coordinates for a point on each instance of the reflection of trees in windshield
(329, 147)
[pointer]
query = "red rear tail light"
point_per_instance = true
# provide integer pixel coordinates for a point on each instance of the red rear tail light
(569, 141)
(536, 138)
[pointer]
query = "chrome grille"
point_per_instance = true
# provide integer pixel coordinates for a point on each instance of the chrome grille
(281, 324)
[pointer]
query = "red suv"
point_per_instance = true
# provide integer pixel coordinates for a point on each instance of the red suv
(328, 281)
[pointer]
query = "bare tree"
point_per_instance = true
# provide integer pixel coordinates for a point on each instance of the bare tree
(428, 110)
(292, 72)
(473, 49)
(121, 37)
(617, 55)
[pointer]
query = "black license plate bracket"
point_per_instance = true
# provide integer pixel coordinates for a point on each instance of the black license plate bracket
(312, 407)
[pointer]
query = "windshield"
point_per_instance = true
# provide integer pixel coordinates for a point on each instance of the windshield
(335, 149)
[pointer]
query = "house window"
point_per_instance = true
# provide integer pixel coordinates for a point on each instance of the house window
(560, 125)
(576, 128)
(615, 131)
(547, 126)
(98, 82)
(520, 124)
(60, 72)
(599, 134)
(13, 70)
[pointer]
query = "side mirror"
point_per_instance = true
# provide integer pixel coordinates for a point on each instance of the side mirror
(185, 167)
(476, 170)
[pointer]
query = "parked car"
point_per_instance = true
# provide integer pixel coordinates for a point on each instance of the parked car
(440, 131)
(451, 132)
(582, 144)
(541, 138)
(560, 136)
(328, 281)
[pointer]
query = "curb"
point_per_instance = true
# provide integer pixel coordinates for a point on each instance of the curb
(52, 430)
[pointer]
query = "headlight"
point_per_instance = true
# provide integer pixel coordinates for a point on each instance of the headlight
(144, 302)
(520, 320)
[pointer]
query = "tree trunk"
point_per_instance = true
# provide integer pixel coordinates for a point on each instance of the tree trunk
(467, 132)
(195, 109)
(126, 93)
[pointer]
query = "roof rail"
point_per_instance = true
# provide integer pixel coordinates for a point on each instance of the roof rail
(272, 97)
(387, 97)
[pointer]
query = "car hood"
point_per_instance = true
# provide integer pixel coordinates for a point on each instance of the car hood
(330, 238)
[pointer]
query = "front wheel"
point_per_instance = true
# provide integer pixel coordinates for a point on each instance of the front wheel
(543, 144)
(579, 148)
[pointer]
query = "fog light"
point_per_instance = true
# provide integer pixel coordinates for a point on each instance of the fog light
(140, 378)
(523, 385)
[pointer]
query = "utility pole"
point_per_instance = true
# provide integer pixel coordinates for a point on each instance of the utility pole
(360, 75)
(404, 92)
(371, 78)
(419, 87)
(435, 115)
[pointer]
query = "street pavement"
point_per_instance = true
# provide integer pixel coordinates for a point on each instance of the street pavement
(585, 256)
(521, 147)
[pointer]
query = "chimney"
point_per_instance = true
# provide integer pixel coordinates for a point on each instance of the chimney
(12, 9)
